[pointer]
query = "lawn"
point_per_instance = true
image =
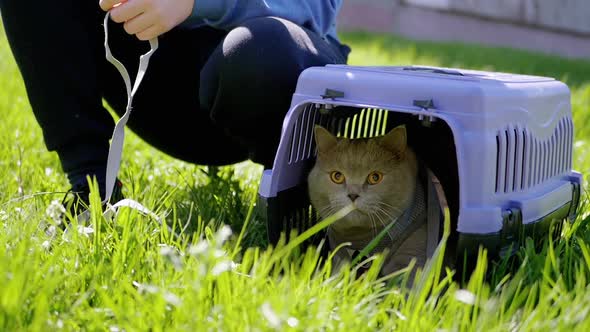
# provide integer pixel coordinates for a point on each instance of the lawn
(132, 274)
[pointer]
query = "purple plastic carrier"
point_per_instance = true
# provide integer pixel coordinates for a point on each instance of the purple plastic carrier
(501, 145)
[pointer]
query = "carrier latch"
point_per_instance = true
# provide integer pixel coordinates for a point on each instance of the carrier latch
(512, 223)
(425, 105)
(575, 201)
(512, 230)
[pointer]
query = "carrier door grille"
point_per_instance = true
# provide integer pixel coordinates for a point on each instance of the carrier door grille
(366, 123)
(524, 161)
(369, 122)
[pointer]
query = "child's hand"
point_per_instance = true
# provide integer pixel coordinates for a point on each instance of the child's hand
(147, 19)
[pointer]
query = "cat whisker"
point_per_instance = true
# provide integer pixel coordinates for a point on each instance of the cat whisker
(384, 225)
(387, 215)
(323, 211)
(388, 206)
(327, 211)
(373, 225)
(384, 203)
(380, 209)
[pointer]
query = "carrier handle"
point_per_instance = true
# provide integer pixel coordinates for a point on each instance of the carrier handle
(435, 70)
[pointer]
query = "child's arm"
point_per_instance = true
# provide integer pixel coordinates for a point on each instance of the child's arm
(150, 18)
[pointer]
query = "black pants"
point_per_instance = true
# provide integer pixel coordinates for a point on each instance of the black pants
(209, 97)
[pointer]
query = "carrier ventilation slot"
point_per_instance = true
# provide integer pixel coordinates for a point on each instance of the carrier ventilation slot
(369, 122)
(299, 219)
(302, 144)
(524, 161)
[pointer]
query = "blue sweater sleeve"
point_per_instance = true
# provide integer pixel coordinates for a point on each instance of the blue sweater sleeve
(316, 15)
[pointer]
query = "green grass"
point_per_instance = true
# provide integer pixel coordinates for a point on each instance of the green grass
(133, 275)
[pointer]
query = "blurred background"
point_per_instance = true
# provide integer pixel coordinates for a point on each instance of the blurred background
(559, 27)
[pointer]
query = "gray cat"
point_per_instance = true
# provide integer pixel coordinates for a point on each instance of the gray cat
(380, 177)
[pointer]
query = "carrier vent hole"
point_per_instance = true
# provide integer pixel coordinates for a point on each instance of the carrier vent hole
(524, 161)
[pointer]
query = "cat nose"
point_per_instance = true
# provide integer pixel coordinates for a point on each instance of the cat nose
(353, 197)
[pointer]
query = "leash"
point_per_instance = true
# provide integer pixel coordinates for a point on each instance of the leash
(116, 147)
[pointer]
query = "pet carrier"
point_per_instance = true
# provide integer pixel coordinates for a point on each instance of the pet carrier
(501, 145)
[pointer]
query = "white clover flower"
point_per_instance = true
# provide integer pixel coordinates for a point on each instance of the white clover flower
(166, 251)
(222, 235)
(198, 249)
(273, 319)
(172, 299)
(465, 296)
(146, 288)
(55, 211)
(292, 322)
(171, 254)
(86, 231)
(223, 266)
(46, 245)
(51, 230)
(219, 253)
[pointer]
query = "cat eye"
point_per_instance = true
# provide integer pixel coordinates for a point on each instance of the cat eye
(337, 177)
(374, 177)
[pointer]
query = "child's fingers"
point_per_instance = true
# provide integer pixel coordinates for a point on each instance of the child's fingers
(127, 11)
(138, 23)
(106, 5)
(151, 32)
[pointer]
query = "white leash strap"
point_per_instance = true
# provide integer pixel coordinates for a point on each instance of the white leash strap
(436, 204)
(116, 147)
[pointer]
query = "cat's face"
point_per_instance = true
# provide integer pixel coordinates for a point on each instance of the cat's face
(377, 175)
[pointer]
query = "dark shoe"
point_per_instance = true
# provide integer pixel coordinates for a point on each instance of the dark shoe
(76, 200)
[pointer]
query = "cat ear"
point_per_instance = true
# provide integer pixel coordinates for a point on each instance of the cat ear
(395, 140)
(324, 139)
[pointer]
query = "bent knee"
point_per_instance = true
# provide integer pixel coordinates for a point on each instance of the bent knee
(269, 42)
